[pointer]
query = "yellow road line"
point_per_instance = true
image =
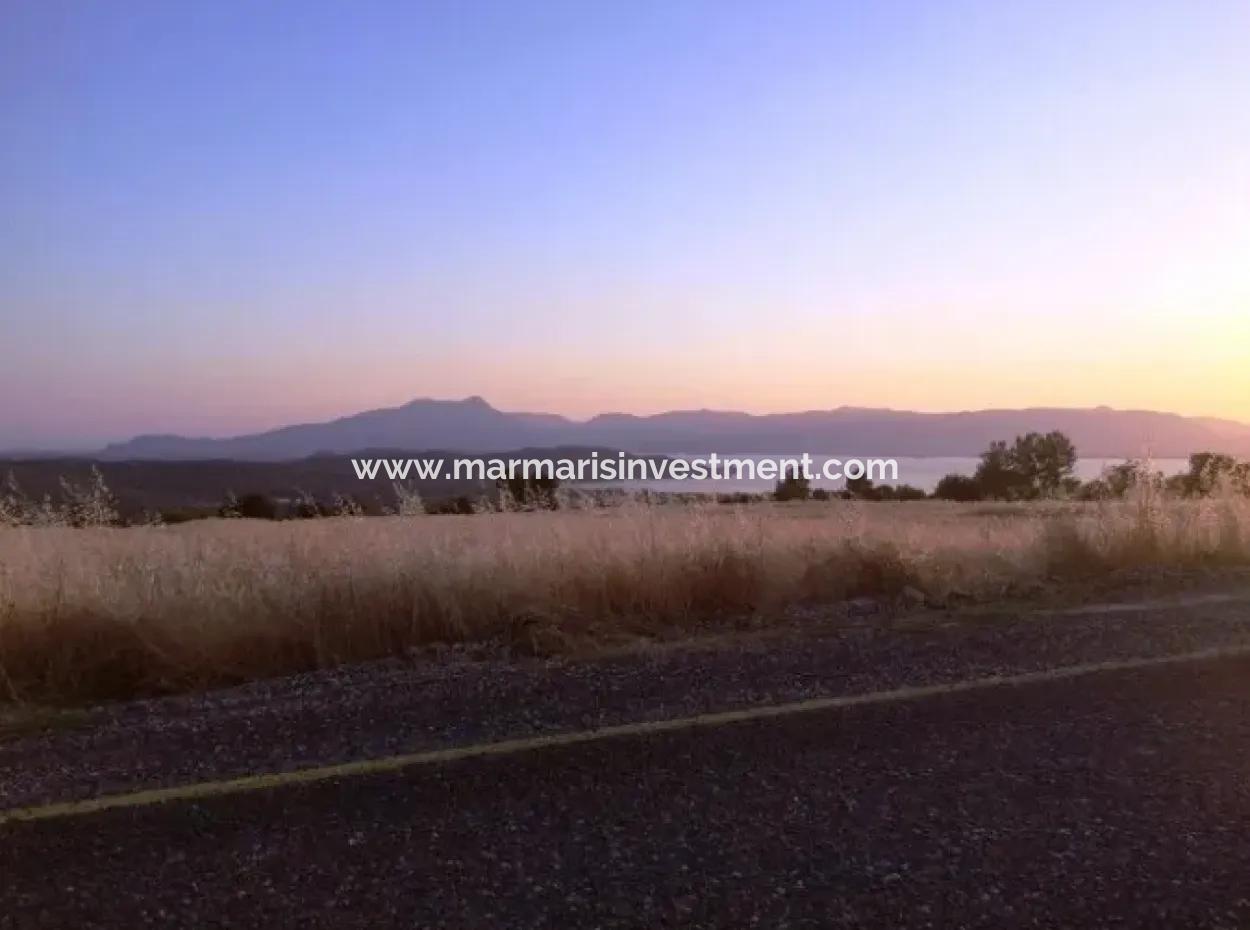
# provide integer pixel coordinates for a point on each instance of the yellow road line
(262, 781)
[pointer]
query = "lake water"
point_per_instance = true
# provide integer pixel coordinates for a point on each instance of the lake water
(923, 473)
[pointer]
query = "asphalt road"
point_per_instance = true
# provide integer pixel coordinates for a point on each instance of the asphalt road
(1116, 799)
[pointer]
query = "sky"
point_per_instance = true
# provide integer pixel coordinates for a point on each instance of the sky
(218, 217)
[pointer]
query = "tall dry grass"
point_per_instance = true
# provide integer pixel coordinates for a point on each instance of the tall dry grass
(108, 612)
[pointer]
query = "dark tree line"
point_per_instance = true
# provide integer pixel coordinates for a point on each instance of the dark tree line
(1041, 466)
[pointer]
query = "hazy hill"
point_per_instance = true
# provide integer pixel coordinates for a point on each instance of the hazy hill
(1098, 432)
(473, 425)
(470, 424)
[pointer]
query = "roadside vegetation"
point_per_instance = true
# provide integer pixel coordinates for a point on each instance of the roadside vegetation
(102, 612)
(91, 609)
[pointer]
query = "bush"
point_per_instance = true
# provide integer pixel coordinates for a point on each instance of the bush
(1118, 481)
(408, 501)
(249, 506)
(740, 497)
(862, 489)
(87, 504)
(183, 515)
(453, 505)
(960, 488)
(528, 494)
(90, 504)
(902, 492)
(1211, 472)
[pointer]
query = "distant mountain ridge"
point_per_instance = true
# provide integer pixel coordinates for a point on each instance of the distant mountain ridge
(473, 425)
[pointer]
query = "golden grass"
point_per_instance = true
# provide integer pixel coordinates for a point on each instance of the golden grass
(102, 612)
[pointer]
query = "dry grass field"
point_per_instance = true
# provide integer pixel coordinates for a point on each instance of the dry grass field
(97, 613)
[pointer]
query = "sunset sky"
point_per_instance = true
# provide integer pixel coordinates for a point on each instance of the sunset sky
(222, 216)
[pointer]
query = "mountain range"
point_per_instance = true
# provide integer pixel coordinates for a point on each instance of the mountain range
(473, 425)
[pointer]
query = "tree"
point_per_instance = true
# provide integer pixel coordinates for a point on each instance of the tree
(996, 475)
(1044, 461)
(1036, 465)
(792, 488)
